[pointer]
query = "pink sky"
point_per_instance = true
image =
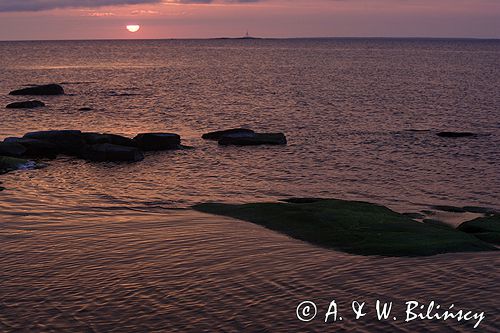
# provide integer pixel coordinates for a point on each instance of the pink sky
(265, 18)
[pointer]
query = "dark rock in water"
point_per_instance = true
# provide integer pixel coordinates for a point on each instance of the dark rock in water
(455, 134)
(48, 89)
(254, 140)
(12, 149)
(351, 226)
(98, 138)
(235, 131)
(25, 105)
(485, 228)
(157, 141)
(36, 148)
(85, 109)
(110, 152)
(69, 142)
(11, 163)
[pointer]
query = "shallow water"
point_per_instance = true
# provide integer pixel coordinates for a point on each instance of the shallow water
(96, 247)
(184, 271)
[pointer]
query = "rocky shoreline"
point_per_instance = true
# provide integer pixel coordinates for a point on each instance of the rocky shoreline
(359, 228)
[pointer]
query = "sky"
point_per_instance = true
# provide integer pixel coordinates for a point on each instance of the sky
(107, 19)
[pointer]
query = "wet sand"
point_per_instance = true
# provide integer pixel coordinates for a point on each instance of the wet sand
(183, 271)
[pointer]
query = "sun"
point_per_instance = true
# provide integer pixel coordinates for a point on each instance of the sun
(133, 27)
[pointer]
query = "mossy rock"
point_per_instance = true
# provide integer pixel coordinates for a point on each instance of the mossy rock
(351, 226)
(485, 228)
(11, 163)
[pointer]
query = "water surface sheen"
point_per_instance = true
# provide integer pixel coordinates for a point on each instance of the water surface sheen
(94, 247)
(347, 107)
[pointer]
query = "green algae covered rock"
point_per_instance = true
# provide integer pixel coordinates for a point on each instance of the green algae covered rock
(11, 163)
(351, 226)
(485, 228)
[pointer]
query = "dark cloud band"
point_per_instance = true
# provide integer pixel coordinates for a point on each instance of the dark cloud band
(37, 5)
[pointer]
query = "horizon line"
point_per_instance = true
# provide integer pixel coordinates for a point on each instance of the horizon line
(251, 38)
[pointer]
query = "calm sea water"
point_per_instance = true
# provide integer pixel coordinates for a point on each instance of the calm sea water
(348, 107)
(94, 246)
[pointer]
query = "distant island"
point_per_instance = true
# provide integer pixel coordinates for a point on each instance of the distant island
(247, 36)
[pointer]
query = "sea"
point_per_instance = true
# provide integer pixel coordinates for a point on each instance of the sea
(113, 247)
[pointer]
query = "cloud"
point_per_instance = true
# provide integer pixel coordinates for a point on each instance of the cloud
(38, 5)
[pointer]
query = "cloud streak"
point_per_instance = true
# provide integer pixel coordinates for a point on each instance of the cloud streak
(39, 5)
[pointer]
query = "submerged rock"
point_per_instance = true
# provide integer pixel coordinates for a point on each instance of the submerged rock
(157, 141)
(110, 152)
(234, 132)
(351, 226)
(254, 140)
(455, 134)
(25, 105)
(12, 163)
(484, 228)
(69, 142)
(12, 149)
(97, 138)
(48, 89)
(36, 148)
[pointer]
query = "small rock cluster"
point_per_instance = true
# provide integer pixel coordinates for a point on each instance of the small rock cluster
(16, 151)
(40, 90)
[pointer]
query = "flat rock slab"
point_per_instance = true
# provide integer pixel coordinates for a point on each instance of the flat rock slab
(36, 148)
(256, 139)
(48, 89)
(351, 226)
(157, 141)
(455, 134)
(112, 153)
(68, 141)
(98, 138)
(217, 135)
(12, 149)
(25, 105)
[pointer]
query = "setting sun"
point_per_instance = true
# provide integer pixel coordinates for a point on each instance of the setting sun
(133, 28)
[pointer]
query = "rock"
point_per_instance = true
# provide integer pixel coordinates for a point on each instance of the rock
(11, 163)
(36, 148)
(235, 131)
(351, 226)
(254, 140)
(69, 142)
(157, 141)
(85, 109)
(25, 105)
(48, 89)
(455, 134)
(484, 228)
(110, 152)
(12, 149)
(98, 138)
